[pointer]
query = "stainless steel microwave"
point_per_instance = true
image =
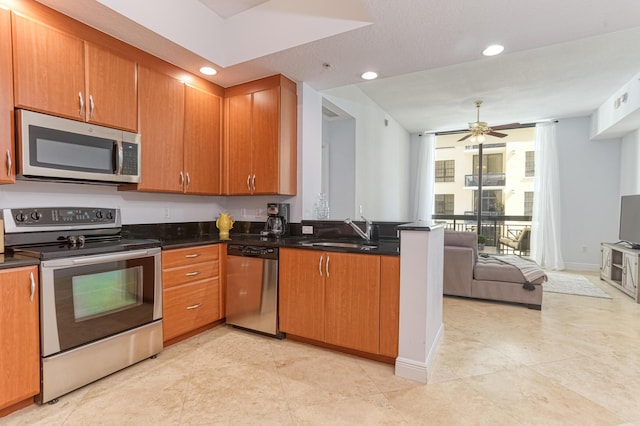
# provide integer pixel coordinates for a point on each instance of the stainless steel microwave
(60, 149)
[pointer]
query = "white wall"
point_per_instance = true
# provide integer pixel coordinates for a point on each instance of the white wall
(382, 156)
(629, 164)
(589, 191)
(339, 138)
(136, 207)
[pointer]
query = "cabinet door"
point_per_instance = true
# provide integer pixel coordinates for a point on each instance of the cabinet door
(389, 305)
(19, 335)
(605, 262)
(161, 100)
(630, 273)
(352, 301)
(202, 139)
(238, 166)
(301, 294)
(111, 89)
(48, 69)
(7, 157)
(265, 138)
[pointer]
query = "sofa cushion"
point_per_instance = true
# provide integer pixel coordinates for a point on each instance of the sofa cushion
(462, 239)
(491, 269)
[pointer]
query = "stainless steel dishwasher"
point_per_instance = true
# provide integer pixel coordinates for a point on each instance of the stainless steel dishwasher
(252, 288)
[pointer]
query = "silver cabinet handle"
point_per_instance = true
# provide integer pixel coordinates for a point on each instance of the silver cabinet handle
(81, 110)
(181, 179)
(196, 306)
(188, 180)
(9, 162)
(190, 256)
(33, 286)
(248, 186)
(320, 265)
(120, 158)
(253, 182)
(327, 265)
(92, 106)
(192, 274)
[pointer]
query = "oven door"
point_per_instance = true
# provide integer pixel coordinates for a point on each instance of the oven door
(85, 299)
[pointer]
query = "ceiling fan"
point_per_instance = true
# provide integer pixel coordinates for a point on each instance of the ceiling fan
(478, 129)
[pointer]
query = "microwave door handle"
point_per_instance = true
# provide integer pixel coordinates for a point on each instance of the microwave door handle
(120, 158)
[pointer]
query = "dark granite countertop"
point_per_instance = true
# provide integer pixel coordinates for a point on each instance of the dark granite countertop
(182, 235)
(15, 261)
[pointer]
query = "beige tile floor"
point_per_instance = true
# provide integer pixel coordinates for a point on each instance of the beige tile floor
(576, 362)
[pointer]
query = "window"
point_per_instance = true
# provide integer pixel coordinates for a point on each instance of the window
(445, 170)
(529, 164)
(443, 204)
(491, 201)
(491, 163)
(528, 203)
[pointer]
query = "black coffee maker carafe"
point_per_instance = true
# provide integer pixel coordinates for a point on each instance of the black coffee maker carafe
(277, 219)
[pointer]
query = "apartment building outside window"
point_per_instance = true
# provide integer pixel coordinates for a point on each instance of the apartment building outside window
(491, 201)
(445, 170)
(529, 164)
(444, 203)
(528, 203)
(491, 163)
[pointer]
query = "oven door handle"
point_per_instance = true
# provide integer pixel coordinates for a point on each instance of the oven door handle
(101, 258)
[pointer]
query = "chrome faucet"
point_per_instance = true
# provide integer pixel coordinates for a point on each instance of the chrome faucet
(366, 235)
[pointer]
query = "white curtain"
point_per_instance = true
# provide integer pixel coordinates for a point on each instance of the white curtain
(545, 229)
(423, 177)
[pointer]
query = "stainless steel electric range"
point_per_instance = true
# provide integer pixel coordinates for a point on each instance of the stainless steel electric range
(100, 294)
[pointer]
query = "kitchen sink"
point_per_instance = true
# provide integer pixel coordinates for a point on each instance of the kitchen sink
(339, 244)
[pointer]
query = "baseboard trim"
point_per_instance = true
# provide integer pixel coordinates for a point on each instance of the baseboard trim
(574, 266)
(416, 370)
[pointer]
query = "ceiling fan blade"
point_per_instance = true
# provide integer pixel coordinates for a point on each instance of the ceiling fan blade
(464, 138)
(507, 126)
(497, 134)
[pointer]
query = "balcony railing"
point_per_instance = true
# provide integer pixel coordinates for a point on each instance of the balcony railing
(488, 179)
(492, 226)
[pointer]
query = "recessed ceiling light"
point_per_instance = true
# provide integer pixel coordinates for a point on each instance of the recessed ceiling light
(208, 71)
(369, 75)
(494, 49)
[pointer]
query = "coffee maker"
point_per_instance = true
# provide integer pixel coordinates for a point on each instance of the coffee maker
(277, 220)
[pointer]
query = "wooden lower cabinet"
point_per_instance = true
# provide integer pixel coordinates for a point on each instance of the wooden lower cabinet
(191, 295)
(343, 299)
(19, 335)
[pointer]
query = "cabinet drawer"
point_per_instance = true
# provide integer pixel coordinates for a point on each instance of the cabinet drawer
(189, 273)
(188, 256)
(190, 306)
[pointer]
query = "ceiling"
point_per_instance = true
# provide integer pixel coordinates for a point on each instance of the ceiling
(562, 58)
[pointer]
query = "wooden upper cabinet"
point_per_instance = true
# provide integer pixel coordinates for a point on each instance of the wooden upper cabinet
(7, 157)
(111, 89)
(261, 137)
(60, 74)
(19, 335)
(202, 139)
(238, 167)
(161, 100)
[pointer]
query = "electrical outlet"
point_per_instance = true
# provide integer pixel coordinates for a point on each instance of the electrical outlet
(307, 230)
(167, 213)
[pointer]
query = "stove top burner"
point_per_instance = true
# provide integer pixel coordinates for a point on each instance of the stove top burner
(64, 249)
(58, 232)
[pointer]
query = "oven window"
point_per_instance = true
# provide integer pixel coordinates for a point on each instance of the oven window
(103, 299)
(106, 292)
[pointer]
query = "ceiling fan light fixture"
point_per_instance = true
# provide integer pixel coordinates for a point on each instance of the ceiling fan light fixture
(494, 49)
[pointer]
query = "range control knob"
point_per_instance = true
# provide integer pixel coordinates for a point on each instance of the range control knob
(99, 214)
(110, 215)
(36, 215)
(21, 217)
